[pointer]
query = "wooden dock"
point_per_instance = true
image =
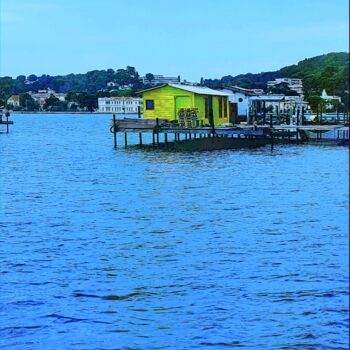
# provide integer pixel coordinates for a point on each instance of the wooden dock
(223, 137)
(7, 123)
(188, 138)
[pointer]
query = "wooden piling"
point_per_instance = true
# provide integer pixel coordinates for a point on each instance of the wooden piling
(302, 115)
(139, 117)
(165, 137)
(140, 138)
(264, 112)
(139, 112)
(125, 139)
(114, 131)
(297, 135)
(157, 130)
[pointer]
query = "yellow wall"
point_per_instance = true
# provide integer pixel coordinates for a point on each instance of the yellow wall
(200, 104)
(165, 104)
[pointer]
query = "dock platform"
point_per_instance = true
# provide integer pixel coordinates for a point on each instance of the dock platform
(223, 137)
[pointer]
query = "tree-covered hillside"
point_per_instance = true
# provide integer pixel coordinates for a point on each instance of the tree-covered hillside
(90, 82)
(330, 72)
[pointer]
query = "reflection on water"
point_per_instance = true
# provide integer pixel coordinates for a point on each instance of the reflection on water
(104, 249)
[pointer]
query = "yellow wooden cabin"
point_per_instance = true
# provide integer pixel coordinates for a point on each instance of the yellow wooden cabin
(165, 101)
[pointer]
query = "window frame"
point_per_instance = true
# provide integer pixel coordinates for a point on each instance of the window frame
(148, 108)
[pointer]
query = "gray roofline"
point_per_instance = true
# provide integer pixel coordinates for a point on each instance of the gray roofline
(149, 89)
(183, 87)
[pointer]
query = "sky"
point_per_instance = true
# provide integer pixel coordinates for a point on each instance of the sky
(190, 38)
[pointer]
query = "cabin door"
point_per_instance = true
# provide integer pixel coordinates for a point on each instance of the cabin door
(233, 112)
(182, 102)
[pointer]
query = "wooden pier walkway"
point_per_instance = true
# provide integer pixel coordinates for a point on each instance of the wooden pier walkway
(208, 137)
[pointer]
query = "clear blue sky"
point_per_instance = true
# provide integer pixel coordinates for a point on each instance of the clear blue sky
(193, 38)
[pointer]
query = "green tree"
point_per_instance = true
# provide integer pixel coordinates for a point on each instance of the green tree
(88, 101)
(149, 77)
(27, 102)
(54, 104)
(72, 97)
(21, 78)
(120, 93)
(50, 102)
(131, 70)
(316, 103)
(103, 94)
(32, 77)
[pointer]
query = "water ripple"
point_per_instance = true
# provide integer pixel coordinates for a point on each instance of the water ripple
(104, 249)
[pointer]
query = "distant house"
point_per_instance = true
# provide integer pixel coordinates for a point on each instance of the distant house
(13, 101)
(125, 87)
(112, 84)
(160, 79)
(119, 104)
(293, 83)
(329, 99)
(42, 95)
(165, 102)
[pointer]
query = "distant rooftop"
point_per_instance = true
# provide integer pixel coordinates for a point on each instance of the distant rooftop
(249, 92)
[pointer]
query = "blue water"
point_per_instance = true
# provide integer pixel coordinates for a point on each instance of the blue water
(132, 249)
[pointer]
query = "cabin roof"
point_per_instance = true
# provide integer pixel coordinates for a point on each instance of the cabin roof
(199, 90)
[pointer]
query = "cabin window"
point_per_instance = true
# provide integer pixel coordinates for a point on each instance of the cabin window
(149, 104)
(240, 99)
(220, 107)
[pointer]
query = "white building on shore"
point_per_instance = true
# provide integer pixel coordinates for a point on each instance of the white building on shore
(330, 100)
(241, 97)
(119, 104)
